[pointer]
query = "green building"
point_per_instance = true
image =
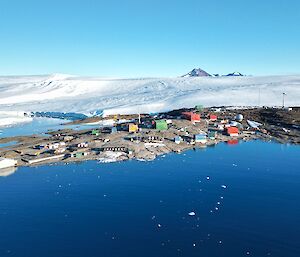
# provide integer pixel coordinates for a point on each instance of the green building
(212, 134)
(199, 108)
(161, 125)
(95, 132)
(80, 154)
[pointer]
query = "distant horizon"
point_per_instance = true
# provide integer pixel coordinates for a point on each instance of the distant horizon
(140, 76)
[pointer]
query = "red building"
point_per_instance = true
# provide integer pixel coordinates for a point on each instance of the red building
(232, 131)
(194, 117)
(213, 117)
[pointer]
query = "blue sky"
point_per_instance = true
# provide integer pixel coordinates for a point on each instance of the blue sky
(133, 38)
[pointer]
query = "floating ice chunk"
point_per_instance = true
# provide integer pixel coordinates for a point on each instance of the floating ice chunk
(207, 177)
(159, 225)
(141, 160)
(192, 213)
(224, 186)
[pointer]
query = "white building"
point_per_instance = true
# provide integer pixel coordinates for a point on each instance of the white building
(83, 145)
(53, 146)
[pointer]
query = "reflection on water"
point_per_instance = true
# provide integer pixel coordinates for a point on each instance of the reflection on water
(7, 171)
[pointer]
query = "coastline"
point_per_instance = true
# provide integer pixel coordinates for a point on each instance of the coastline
(146, 142)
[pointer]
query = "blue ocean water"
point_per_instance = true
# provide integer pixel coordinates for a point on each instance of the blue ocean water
(11, 143)
(245, 199)
(41, 126)
(37, 126)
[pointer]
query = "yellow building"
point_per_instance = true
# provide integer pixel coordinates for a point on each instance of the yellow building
(133, 128)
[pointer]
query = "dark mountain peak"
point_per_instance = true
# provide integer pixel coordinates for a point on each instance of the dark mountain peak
(235, 74)
(197, 73)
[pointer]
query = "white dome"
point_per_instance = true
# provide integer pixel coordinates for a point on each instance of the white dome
(239, 117)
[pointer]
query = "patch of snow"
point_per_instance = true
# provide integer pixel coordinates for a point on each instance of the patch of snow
(110, 157)
(147, 145)
(286, 130)
(253, 124)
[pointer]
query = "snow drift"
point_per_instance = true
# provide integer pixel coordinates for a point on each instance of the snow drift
(65, 93)
(8, 118)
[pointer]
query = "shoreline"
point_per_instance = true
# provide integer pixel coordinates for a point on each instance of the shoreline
(139, 139)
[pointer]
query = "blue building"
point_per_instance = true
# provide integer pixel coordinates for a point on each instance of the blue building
(200, 138)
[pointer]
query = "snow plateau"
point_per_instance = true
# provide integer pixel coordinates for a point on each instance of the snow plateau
(65, 93)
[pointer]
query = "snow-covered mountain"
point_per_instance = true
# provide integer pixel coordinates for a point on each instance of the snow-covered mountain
(64, 93)
(235, 74)
(196, 73)
(201, 73)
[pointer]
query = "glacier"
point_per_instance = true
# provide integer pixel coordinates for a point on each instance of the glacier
(86, 95)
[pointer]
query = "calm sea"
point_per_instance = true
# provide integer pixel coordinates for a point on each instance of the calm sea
(223, 201)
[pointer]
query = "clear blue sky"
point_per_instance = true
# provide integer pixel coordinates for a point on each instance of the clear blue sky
(132, 38)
